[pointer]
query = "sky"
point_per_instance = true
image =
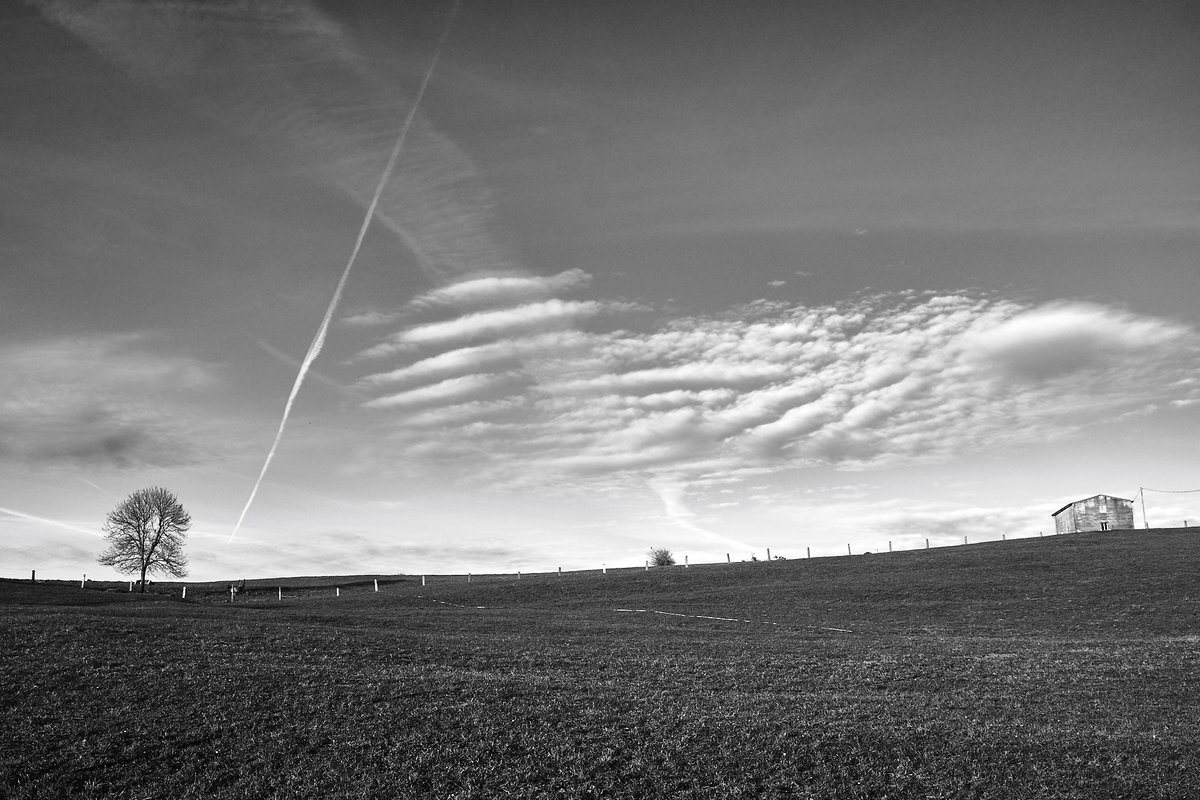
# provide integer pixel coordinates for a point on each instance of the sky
(711, 276)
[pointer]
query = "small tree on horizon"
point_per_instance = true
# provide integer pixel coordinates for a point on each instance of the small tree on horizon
(145, 534)
(661, 557)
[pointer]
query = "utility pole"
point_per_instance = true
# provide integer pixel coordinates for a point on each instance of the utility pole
(1142, 494)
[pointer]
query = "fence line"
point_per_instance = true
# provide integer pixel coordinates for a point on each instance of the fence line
(808, 554)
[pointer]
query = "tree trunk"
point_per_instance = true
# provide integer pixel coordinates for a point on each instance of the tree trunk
(143, 580)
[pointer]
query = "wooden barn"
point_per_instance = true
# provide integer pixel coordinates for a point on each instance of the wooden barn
(1100, 513)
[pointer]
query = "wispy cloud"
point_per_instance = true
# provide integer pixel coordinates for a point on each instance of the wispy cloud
(672, 493)
(289, 76)
(507, 322)
(479, 357)
(101, 400)
(502, 289)
(451, 390)
(370, 319)
(283, 357)
(1059, 339)
(879, 381)
(51, 522)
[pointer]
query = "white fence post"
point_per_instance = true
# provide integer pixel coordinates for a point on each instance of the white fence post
(280, 592)
(422, 580)
(338, 591)
(685, 562)
(184, 596)
(82, 582)
(377, 584)
(604, 569)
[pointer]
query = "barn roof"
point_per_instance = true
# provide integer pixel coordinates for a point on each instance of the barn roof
(1093, 497)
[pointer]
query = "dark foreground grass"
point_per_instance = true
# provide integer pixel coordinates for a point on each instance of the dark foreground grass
(1065, 667)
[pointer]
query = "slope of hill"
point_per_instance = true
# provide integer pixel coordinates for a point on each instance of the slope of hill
(1064, 667)
(1146, 581)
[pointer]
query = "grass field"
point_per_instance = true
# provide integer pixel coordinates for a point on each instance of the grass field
(1064, 667)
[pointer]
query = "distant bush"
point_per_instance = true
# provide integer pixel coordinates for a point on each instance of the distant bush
(661, 557)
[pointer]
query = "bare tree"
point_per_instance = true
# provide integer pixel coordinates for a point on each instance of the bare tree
(145, 533)
(661, 557)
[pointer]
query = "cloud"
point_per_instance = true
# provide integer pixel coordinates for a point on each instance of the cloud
(679, 377)
(480, 357)
(1060, 339)
(521, 320)
(672, 492)
(463, 413)
(61, 524)
(451, 390)
(879, 381)
(101, 400)
(501, 289)
(370, 319)
(288, 76)
(481, 291)
(794, 424)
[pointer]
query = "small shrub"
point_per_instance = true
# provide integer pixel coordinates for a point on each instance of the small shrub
(661, 557)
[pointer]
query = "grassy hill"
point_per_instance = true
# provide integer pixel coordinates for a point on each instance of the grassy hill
(1057, 667)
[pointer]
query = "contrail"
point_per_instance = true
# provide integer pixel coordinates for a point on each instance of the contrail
(275, 352)
(45, 521)
(100, 489)
(318, 341)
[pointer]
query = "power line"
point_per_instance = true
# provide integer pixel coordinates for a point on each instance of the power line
(1142, 495)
